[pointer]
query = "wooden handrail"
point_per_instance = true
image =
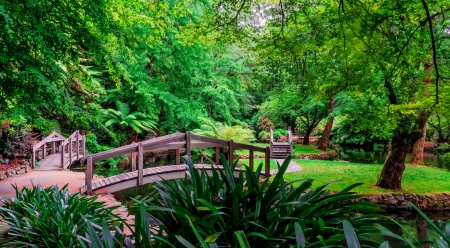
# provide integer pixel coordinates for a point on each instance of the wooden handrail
(53, 137)
(77, 137)
(172, 141)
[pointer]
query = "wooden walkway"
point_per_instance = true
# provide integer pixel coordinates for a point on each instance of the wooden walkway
(150, 175)
(53, 162)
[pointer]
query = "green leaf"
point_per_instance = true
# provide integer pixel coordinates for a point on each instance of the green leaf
(350, 235)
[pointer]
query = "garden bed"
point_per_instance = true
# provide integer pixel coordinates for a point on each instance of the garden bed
(15, 167)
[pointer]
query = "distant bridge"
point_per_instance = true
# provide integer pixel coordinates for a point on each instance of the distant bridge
(140, 176)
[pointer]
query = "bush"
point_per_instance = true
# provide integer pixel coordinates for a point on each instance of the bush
(51, 217)
(222, 210)
(447, 160)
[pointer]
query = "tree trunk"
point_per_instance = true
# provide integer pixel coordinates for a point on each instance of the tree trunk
(422, 231)
(306, 137)
(417, 154)
(323, 142)
(401, 143)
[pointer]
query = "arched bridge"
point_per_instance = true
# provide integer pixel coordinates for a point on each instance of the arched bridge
(140, 176)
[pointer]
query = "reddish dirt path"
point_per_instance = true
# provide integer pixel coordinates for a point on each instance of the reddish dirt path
(45, 178)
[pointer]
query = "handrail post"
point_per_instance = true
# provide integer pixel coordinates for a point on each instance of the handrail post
(77, 146)
(61, 149)
(140, 164)
(70, 150)
(188, 144)
(267, 162)
(83, 141)
(230, 153)
(53, 147)
(89, 175)
(33, 158)
(44, 150)
(251, 159)
(177, 157)
(217, 155)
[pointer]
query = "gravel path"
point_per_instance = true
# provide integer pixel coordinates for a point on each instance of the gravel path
(293, 167)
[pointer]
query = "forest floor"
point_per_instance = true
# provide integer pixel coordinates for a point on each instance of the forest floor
(416, 179)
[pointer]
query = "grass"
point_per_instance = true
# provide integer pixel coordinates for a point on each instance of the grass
(298, 149)
(416, 179)
(257, 161)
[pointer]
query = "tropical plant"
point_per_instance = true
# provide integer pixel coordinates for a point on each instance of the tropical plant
(51, 217)
(444, 241)
(122, 118)
(220, 131)
(218, 209)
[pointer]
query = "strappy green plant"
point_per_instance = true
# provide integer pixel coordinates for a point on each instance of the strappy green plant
(51, 217)
(219, 209)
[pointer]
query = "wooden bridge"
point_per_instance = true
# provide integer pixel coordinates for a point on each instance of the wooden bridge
(58, 152)
(140, 176)
(281, 150)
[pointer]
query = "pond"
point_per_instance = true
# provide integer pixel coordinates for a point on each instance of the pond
(378, 156)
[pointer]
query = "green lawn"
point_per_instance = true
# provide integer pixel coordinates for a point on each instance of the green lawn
(416, 179)
(298, 149)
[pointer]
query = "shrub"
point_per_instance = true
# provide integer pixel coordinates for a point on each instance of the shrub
(51, 217)
(222, 210)
(447, 160)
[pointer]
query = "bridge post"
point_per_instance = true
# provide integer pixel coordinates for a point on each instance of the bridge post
(177, 156)
(140, 164)
(133, 161)
(267, 161)
(44, 150)
(77, 146)
(70, 151)
(53, 147)
(251, 159)
(230, 153)
(217, 155)
(61, 150)
(188, 144)
(33, 158)
(83, 141)
(89, 175)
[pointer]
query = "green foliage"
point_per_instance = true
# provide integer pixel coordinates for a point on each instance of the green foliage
(122, 118)
(51, 217)
(222, 210)
(92, 146)
(220, 131)
(447, 160)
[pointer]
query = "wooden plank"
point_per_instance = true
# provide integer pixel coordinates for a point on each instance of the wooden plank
(53, 147)
(62, 157)
(217, 155)
(188, 144)
(267, 162)
(140, 164)
(88, 173)
(177, 156)
(44, 150)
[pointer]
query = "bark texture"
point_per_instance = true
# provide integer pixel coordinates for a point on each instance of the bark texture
(323, 142)
(401, 143)
(417, 154)
(307, 135)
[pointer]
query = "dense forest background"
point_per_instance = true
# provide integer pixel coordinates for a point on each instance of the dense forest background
(349, 71)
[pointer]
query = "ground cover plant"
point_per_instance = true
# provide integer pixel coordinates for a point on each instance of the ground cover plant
(51, 217)
(416, 178)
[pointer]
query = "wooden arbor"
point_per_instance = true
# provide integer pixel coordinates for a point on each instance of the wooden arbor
(176, 142)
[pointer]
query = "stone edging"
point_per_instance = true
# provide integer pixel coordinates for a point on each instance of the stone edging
(14, 172)
(399, 201)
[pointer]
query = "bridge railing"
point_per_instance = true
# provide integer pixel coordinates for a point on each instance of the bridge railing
(176, 142)
(53, 138)
(67, 147)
